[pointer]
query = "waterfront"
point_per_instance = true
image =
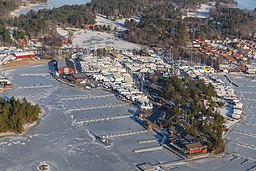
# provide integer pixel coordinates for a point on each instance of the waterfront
(241, 144)
(64, 143)
(242, 4)
(246, 4)
(55, 4)
(63, 138)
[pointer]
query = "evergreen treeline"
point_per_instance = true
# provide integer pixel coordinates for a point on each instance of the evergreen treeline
(226, 1)
(233, 21)
(160, 26)
(39, 23)
(195, 99)
(5, 37)
(6, 6)
(16, 113)
(161, 21)
(126, 8)
(157, 32)
(189, 3)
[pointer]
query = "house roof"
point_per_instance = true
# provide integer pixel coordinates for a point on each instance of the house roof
(65, 64)
(193, 145)
(79, 76)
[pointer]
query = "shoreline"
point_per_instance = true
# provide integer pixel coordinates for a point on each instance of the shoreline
(16, 13)
(26, 127)
(24, 63)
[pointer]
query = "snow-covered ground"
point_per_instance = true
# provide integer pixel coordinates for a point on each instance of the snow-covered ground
(94, 39)
(103, 21)
(119, 23)
(202, 12)
(65, 145)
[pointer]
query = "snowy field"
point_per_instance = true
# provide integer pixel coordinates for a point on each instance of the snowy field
(202, 12)
(94, 39)
(62, 138)
(118, 24)
(103, 21)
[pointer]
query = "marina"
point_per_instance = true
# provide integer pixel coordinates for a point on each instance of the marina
(63, 141)
(112, 105)
(59, 98)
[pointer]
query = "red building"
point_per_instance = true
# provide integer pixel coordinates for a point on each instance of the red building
(7, 86)
(89, 26)
(195, 148)
(25, 55)
(66, 67)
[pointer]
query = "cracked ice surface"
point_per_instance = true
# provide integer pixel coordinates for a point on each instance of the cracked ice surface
(62, 143)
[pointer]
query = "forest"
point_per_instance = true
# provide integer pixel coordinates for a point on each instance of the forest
(5, 37)
(43, 23)
(6, 6)
(194, 98)
(126, 8)
(162, 24)
(161, 21)
(15, 113)
(39, 23)
(233, 21)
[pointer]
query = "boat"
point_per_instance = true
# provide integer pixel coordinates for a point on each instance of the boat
(237, 111)
(106, 141)
(236, 116)
(234, 101)
(238, 105)
(43, 166)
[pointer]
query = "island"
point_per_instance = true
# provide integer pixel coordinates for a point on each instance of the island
(16, 115)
